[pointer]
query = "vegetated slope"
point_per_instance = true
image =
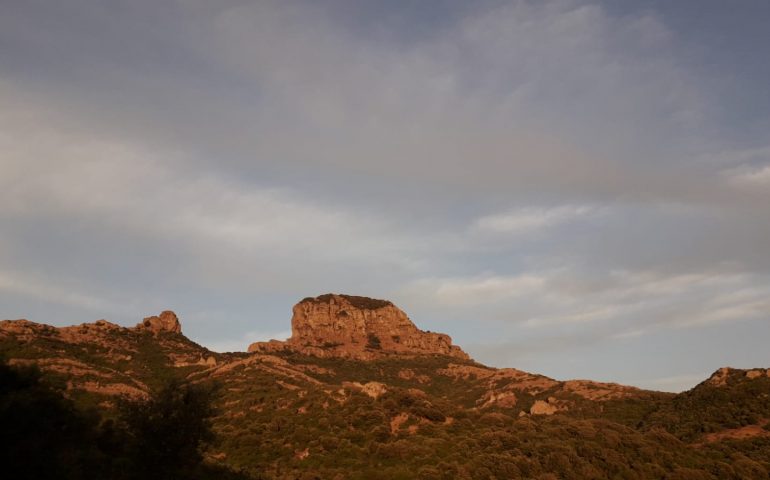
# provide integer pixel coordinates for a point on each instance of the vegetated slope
(382, 412)
(97, 361)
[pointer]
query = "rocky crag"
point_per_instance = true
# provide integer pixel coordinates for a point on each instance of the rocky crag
(361, 328)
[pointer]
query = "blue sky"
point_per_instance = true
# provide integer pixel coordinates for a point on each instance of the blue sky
(573, 188)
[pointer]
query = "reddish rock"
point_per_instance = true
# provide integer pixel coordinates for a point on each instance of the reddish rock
(543, 408)
(719, 378)
(357, 327)
(167, 321)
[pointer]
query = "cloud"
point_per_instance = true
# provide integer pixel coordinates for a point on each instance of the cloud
(525, 220)
(619, 305)
(19, 283)
(495, 101)
(223, 227)
(759, 176)
(474, 291)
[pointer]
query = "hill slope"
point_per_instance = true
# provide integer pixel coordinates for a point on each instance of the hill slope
(360, 392)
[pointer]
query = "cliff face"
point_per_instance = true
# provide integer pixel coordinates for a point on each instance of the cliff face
(357, 327)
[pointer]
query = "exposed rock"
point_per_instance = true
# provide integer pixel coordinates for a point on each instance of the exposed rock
(599, 391)
(302, 454)
(504, 386)
(417, 393)
(218, 456)
(69, 367)
(465, 372)
(372, 389)
(719, 378)
(397, 421)
(211, 361)
(98, 332)
(110, 389)
(315, 369)
(356, 327)
(724, 375)
(167, 321)
(543, 408)
(408, 374)
(501, 399)
(25, 330)
(740, 433)
(104, 324)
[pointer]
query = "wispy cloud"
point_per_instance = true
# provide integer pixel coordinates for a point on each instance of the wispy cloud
(474, 291)
(528, 220)
(759, 176)
(64, 293)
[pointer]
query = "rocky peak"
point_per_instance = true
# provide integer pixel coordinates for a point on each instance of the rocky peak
(167, 321)
(334, 325)
(726, 375)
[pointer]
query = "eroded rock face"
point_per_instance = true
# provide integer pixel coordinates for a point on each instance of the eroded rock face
(357, 327)
(167, 321)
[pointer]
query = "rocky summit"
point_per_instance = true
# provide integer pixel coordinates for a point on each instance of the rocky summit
(167, 321)
(349, 326)
(359, 392)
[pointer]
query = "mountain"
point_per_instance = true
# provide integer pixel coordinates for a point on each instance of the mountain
(362, 328)
(359, 391)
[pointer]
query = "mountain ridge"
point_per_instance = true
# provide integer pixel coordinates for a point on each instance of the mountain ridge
(352, 410)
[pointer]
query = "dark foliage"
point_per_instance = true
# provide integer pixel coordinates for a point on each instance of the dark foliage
(164, 433)
(706, 408)
(365, 303)
(44, 436)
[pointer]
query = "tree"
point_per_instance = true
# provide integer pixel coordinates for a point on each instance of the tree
(165, 432)
(43, 435)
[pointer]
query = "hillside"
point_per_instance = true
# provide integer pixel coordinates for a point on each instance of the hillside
(359, 391)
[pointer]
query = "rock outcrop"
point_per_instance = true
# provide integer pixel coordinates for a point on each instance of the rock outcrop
(544, 408)
(167, 321)
(103, 358)
(357, 327)
(726, 375)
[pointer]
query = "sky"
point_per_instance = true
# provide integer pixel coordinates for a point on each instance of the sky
(574, 188)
